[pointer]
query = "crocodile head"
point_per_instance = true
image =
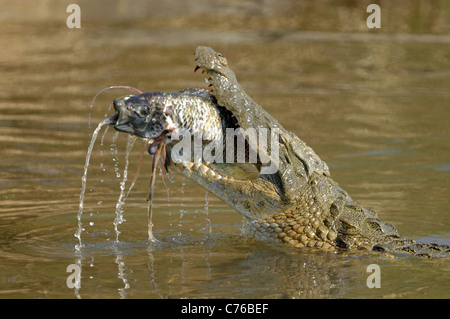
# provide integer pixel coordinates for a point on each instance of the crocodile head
(288, 163)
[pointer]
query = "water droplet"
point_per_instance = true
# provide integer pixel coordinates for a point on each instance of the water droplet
(99, 202)
(91, 223)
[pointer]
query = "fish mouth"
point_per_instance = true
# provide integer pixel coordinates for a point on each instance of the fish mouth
(120, 120)
(126, 119)
(129, 117)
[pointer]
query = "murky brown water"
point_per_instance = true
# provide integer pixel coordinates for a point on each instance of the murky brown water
(373, 104)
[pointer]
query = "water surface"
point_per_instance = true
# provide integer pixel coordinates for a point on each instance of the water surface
(373, 104)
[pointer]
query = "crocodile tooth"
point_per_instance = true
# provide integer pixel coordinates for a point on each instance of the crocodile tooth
(228, 178)
(210, 173)
(197, 165)
(188, 165)
(204, 170)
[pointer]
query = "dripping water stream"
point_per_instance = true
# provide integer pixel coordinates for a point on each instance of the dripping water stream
(83, 184)
(122, 197)
(208, 220)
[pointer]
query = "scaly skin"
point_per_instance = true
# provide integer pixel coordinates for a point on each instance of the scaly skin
(300, 204)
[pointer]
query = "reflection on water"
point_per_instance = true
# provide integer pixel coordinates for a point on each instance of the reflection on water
(374, 104)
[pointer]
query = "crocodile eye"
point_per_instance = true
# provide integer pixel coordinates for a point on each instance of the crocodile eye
(222, 59)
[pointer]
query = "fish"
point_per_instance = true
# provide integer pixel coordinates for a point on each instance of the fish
(153, 116)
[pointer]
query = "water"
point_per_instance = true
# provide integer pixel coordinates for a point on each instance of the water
(122, 197)
(84, 182)
(373, 104)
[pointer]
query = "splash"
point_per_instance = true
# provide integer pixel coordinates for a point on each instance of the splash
(83, 183)
(130, 88)
(123, 196)
(88, 157)
(208, 220)
(158, 156)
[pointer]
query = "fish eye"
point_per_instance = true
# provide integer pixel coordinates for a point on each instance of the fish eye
(145, 110)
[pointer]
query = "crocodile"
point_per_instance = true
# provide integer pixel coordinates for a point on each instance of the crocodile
(299, 204)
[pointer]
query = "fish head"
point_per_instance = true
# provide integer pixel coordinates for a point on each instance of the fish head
(141, 115)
